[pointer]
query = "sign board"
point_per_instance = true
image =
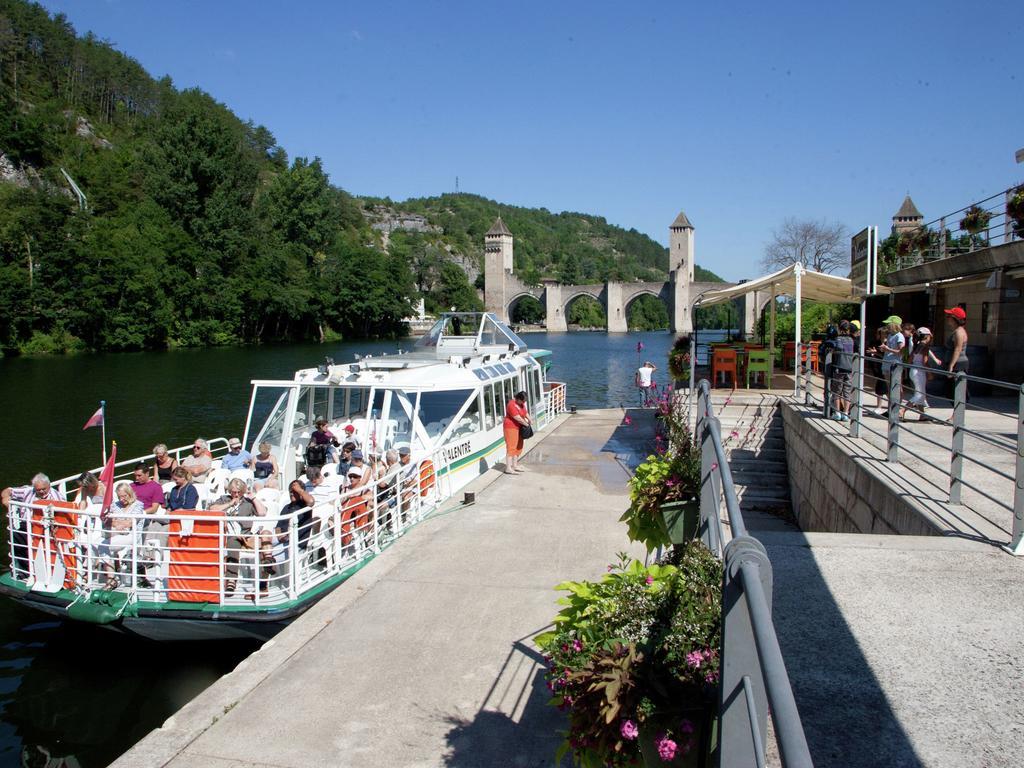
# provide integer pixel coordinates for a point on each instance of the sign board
(864, 262)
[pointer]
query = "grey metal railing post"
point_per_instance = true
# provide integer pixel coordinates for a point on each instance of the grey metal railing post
(827, 387)
(856, 405)
(1017, 539)
(893, 437)
(709, 503)
(956, 463)
(736, 738)
(942, 237)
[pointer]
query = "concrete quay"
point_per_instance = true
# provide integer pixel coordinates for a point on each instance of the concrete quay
(902, 650)
(424, 657)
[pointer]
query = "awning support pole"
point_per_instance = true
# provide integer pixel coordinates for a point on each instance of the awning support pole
(798, 356)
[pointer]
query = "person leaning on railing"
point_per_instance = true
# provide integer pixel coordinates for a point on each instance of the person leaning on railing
(39, 490)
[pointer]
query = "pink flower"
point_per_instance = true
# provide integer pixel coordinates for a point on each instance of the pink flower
(577, 646)
(649, 580)
(694, 659)
(629, 730)
(626, 420)
(686, 726)
(670, 482)
(734, 433)
(711, 677)
(666, 748)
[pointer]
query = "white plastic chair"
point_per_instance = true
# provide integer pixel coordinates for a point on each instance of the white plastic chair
(216, 483)
(244, 474)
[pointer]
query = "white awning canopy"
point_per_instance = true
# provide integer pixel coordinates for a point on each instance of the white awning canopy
(796, 281)
(816, 286)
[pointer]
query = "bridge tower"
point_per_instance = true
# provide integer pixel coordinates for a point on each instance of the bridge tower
(680, 272)
(497, 265)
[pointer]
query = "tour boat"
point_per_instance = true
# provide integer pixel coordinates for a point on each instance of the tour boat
(201, 576)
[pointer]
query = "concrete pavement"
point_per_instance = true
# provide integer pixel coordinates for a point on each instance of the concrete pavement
(902, 650)
(424, 658)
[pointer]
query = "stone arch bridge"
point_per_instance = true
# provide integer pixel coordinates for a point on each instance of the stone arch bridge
(614, 297)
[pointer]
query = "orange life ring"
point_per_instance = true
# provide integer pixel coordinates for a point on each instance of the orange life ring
(427, 476)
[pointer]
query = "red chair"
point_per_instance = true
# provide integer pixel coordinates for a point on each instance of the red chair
(724, 361)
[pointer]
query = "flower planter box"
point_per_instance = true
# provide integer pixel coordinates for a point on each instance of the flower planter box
(681, 520)
(690, 747)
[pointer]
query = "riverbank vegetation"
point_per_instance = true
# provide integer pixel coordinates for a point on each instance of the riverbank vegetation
(134, 215)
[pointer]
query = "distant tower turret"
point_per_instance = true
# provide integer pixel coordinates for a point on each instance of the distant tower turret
(907, 217)
(498, 248)
(680, 266)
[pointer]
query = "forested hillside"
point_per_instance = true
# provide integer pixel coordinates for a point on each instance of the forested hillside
(195, 228)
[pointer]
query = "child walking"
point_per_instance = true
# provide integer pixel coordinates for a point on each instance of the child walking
(922, 356)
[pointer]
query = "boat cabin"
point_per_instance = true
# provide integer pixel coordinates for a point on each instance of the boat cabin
(453, 386)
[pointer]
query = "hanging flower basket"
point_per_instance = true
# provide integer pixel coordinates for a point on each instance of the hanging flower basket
(921, 239)
(975, 220)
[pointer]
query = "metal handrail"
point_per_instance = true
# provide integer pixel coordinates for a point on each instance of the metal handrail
(753, 672)
(953, 463)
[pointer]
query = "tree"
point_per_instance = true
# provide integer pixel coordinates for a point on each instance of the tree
(647, 313)
(817, 245)
(586, 312)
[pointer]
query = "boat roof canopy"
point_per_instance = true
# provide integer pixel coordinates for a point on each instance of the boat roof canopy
(470, 333)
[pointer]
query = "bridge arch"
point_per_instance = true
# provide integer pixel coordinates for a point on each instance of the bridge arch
(657, 295)
(520, 297)
(577, 295)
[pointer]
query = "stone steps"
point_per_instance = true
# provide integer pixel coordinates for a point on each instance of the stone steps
(753, 438)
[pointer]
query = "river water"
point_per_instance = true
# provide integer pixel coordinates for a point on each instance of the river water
(85, 693)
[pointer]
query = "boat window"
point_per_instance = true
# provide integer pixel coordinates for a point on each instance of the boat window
(272, 412)
(437, 409)
(488, 407)
(469, 422)
(336, 411)
(320, 398)
(356, 401)
(302, 409)
(376, 410)
(399, 430)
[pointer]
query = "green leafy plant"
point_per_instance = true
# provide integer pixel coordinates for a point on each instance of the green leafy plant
(1015, 210)
(634, 659)
(679, 359)
(975, 220)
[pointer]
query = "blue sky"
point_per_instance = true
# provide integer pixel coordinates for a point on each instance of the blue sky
(738, 113)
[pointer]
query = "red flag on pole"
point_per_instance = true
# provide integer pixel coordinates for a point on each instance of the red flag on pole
(107, 478)
(96, 420)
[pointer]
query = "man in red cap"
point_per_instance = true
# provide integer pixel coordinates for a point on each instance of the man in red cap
(956, 345)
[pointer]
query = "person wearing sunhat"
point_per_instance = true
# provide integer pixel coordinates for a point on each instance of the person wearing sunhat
(956, 345)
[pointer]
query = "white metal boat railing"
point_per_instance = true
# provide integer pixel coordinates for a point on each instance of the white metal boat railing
(202, 556)
(554, 399)
(218, 447)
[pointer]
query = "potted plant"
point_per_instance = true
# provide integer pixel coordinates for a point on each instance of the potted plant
(634, 660)
(679, 361)
(975, 220)
(664, 507)
(1015, 210)
(921, 239)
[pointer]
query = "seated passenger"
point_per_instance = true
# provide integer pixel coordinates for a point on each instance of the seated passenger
(320, 449)
(117, 549)
(300, 499)
(323, 493)
(239, 533)
(264, 468)
(346, 458)
(358, 463)
(410, 476)
(237, 457)
(163, 463)
(184, 494)
(198, 464)
(351, 436)
(90, 490)
(147, 490)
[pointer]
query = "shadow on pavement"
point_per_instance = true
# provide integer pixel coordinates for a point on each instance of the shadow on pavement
(515, 725)
(845, 713)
